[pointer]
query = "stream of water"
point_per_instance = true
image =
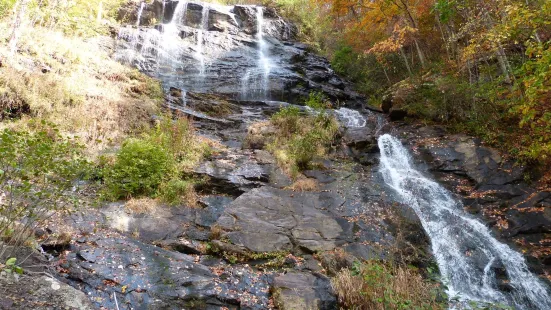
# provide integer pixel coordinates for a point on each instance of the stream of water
(468, 256)
(140, 11)
(258, 78)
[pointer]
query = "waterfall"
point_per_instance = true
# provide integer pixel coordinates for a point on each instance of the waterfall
(351, 118)
(163, 12)
(466, 252)
(245, 85)
(260, 75)
(200, 41)
(140, 11)
(264, 62)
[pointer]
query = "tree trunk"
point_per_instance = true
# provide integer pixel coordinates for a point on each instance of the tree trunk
(100, 11)
(414, 25)
(420, 54)
(386, 74)
(503, 63)
(406, 61)
(19, 16)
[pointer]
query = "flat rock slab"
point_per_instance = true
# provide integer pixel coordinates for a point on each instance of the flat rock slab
(236, 172)
(267, 219)
(143, 276)
(41, 293)
(298, 290)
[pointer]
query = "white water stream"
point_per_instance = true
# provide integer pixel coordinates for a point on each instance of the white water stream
(465, 250)
(140, 11)
(200, 40)
(258, 78)
(351, 118)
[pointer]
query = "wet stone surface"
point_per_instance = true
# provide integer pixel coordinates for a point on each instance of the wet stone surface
(164, 258)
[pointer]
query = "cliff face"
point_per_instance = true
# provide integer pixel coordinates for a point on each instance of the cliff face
(245, 52)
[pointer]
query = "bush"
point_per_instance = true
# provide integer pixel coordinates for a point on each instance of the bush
(317, 101)
(177, 190)
(375, 285)
(37, 170)
(139, 169)
(155, 164)
(534, 108)
(287, 119)
(300, 137)
(6, 6)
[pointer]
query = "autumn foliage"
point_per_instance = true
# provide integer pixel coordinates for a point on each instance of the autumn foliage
(494, 57)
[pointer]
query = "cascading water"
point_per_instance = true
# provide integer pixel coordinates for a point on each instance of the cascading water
(200, 40)
(263, 58)
(351, 118)
(260, 75)
(466, 252)
(140, 12)
(184, 98)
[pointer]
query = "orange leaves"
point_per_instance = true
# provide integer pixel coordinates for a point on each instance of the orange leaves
(379, 26)
(401, 35)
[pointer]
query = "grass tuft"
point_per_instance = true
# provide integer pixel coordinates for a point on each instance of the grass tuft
(375, 285)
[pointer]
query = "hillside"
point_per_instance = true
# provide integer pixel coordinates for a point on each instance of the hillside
(292, 154)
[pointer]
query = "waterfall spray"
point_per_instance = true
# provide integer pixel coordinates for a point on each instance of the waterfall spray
(264, 62)
(200, 40)
(466, 252)
(140, 12)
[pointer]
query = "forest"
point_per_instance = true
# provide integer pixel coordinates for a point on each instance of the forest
(480, 67)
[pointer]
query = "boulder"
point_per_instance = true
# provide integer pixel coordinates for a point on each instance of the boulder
(272, 220)
(41, 292)
(297, 290)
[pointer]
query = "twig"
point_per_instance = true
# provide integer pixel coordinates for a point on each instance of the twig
(116, 304)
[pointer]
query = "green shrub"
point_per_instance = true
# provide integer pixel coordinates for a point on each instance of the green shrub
(301, 137)
(154, 165)
(534, 108)
(37, 170)
(317, 101)
(139, 169)
(287, 119)
(177, 190)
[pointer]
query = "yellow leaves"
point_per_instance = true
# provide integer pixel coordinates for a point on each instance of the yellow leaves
(400, 37)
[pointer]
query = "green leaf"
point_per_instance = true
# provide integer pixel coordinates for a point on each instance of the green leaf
(11, 261)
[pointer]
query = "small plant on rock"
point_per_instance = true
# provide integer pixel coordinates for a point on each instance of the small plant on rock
(378, 285)
(303, 137)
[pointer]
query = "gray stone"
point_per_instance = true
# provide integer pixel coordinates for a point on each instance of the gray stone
(297, 290)
(269, 219)
(41, 292)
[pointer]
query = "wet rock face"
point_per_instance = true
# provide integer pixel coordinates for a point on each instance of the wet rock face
(297, 290)
(41, 292)
(244, 52)
(272, 220)
(491, 186)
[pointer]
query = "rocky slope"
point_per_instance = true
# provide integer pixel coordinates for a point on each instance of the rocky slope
(254, 243)
(244, 52)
